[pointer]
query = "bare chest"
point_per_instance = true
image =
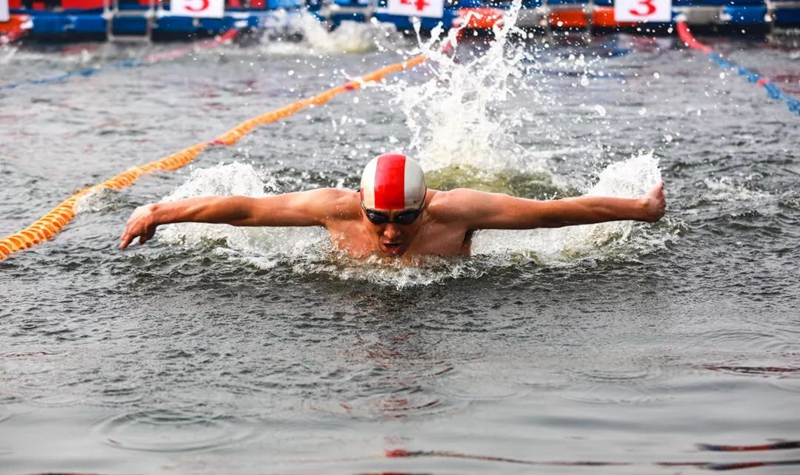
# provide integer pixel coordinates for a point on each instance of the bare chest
(432, 239)
(441, 240)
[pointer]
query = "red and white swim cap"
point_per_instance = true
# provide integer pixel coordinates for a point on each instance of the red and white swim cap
(393, 181)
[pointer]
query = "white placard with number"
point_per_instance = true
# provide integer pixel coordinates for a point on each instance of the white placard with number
(4, 16)
(197, 8)
(643, 10)
(420, 8)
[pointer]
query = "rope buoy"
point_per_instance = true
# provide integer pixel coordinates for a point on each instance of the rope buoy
(773, 91)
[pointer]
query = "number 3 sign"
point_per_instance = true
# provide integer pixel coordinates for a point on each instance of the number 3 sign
(198, 8)
(643, 10)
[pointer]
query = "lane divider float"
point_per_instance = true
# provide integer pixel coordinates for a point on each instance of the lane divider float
(226, 37)
(13, 30)
(12, 36)
(772, 90)
(53, 222)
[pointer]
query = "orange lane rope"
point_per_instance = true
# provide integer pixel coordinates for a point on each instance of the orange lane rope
(54, 221)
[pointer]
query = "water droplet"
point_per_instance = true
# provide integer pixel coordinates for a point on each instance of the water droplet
(600, 110)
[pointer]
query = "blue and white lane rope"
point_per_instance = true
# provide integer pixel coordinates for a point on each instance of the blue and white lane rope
(66, 76)
(773, 91)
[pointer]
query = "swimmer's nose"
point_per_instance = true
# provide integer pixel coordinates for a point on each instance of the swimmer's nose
(392, 231)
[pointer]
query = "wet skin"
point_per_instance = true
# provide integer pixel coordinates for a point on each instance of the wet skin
(444, 227)
(427, 235)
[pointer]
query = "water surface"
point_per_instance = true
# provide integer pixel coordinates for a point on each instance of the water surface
(615, 349)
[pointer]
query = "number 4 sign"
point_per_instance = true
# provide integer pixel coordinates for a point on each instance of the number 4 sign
(420, 8)
(643, 10)
(197, 8)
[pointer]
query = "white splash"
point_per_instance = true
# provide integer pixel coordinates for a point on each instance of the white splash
(456, 117)
(429, 270)
(262, 247)
(308, 250)
(731, 189)
(7, 53)
(349, 38)
(630, 179)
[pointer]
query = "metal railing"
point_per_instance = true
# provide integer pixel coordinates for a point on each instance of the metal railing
(112, 11)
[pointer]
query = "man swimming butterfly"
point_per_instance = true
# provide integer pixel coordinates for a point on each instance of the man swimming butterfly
(394, 214)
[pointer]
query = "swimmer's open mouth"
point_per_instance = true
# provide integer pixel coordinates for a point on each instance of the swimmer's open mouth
(391, 247)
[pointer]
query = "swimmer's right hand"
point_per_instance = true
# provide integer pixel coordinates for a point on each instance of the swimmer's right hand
(141, 224)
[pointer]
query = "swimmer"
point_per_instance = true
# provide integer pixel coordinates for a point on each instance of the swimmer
(394, 214)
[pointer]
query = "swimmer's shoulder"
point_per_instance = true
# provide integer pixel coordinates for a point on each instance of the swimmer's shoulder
(453, 205)
(336, 203)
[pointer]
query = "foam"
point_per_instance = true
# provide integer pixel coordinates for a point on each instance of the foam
(349, 38)
(309, 251)
(631, 178)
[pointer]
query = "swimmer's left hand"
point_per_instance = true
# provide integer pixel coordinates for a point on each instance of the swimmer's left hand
(655, 204)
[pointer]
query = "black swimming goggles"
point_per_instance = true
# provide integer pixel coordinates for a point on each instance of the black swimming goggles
(405, 218)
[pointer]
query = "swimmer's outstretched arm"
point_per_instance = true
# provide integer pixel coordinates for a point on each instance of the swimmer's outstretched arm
(480, 210)
(307, 208)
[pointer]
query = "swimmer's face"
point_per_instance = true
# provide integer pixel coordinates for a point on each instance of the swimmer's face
(394, 230)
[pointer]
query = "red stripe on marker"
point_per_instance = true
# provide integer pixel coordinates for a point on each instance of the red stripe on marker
(390, 174)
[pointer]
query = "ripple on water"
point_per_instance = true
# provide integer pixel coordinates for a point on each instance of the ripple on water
(118, 396)
(780, 375)
(5, 397)
(763, 340)
(56, 399)
(397, 404)
(164, 430)
(617, 386)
